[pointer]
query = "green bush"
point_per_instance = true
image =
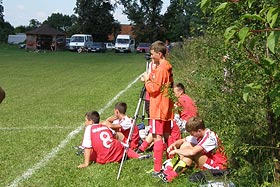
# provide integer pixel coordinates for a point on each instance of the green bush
(199, 65)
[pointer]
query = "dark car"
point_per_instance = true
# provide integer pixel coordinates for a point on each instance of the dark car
(143, 47)
(96, 47)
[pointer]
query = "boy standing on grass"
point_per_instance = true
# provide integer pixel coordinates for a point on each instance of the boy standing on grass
(122, 124)
(157, 84)
(203, 147)
(100, 145)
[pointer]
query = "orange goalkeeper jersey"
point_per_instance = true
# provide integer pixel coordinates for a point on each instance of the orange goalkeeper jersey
(160, 80)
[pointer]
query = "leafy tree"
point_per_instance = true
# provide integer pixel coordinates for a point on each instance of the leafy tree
(116, 28)
(59, 21)
(21, 29)
(95, 17)
(33, 24)
(5, 27)
(74, 27)
(145, 17)
(183, 19)
(1, 11)
(251, 31)
(175, 22)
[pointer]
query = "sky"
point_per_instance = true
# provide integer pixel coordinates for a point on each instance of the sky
(20, 12)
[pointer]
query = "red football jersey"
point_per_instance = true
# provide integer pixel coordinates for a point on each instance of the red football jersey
(105, 147)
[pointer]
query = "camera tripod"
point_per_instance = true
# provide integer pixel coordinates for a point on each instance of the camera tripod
(140, 100)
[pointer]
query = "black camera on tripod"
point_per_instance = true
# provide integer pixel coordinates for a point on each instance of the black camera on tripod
(148, 56)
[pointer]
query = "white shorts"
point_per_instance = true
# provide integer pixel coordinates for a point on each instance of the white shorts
(180, 122)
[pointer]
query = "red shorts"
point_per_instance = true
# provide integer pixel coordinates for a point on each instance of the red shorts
(160, 127)
(216, 162)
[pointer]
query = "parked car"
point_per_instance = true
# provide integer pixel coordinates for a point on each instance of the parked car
(110, 46)
(143, 47)
(22, 46)
(125, 43)
(96, 47)
(78, 41)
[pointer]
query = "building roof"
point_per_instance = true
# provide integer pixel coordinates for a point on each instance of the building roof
(46, 30)
(125, 29)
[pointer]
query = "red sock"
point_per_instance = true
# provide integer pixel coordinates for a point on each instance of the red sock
(132, 154)
(158, 154)
(144, 146)
(170, 175)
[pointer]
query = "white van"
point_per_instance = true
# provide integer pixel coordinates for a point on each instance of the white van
(124, 43)
(78, 41)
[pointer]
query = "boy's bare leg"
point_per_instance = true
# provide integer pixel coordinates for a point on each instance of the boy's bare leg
(200, 160)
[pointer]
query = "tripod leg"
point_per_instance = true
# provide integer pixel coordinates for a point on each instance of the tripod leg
(143, 112)
(120, 169)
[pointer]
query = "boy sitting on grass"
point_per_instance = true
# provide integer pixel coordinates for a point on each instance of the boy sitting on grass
(100, 145)
(122, 124)
(203, 147)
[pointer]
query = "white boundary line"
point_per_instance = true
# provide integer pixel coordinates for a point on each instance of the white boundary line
(29, 172)
(33, 128)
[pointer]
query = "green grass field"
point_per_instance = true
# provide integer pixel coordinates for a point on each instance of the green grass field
(47, 95)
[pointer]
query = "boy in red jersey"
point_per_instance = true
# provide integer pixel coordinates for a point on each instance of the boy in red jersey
(203, 147)
(122, 124)
(157, 84)
(186, 106)
(100, 145)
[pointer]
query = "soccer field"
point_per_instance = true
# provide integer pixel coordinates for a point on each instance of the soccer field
(41, 119)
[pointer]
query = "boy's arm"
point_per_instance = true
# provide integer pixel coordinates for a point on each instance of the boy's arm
(111, 119)
(112, 126)
(188, 151)
(109, 123)
(86, 158)
(175, 145)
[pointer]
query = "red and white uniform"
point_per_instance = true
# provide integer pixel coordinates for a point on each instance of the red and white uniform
(105, 148)
(212, 148)
(127, 124)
